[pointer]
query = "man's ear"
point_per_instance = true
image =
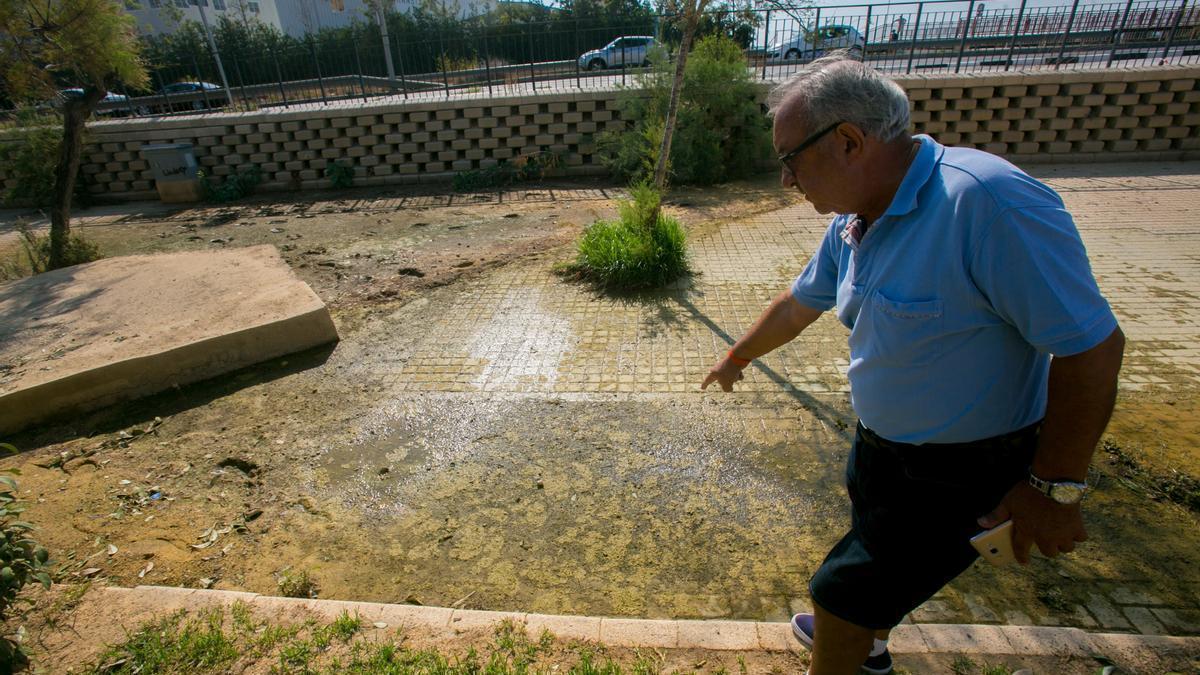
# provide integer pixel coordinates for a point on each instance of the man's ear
(851, 140)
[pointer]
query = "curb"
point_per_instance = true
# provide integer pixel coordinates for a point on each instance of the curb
(721, 635)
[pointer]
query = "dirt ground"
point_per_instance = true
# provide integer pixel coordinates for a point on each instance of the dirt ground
(206, 485)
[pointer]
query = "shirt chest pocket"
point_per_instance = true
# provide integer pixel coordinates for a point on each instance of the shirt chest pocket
(904, 333)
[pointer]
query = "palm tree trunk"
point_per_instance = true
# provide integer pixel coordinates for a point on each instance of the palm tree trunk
(75, 114)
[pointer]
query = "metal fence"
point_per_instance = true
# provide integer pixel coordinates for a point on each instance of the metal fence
(516, 59)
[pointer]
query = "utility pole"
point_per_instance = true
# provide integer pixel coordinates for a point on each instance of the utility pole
(381, 17)
(212, 45)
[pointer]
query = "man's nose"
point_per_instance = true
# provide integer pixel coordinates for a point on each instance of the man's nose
(786, 178)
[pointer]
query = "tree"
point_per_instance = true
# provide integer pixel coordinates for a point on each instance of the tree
(690, 12)
(48, 44)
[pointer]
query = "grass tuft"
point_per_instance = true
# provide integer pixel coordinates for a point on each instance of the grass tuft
(642, 249)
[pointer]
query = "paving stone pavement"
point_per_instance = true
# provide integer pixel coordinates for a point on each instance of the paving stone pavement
(520, 331)
(523, 332)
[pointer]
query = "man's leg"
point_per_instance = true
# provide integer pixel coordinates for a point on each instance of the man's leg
(839, 647)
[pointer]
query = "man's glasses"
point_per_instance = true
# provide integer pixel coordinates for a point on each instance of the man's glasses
(804, 145)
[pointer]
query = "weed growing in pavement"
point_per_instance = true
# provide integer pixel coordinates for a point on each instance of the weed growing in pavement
(643, 248)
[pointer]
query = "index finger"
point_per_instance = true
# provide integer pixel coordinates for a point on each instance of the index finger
(708, 380)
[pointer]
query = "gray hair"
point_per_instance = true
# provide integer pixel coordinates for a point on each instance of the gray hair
(839, 88)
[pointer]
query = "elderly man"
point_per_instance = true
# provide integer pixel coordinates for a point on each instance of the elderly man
(983, 359)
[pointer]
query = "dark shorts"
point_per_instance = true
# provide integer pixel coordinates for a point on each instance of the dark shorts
(914, 512)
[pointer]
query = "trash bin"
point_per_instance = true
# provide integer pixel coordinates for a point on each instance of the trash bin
(175, 171)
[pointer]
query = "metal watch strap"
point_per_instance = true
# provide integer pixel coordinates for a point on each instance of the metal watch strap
(1042, 486)
(1047, 488)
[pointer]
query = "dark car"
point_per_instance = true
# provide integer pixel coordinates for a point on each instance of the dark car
(111, 105)
(194, 95)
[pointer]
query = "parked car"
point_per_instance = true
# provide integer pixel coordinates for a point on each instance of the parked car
(809, 45)
(188, 87)
(630, 50)
(111, 105)
(195, 95)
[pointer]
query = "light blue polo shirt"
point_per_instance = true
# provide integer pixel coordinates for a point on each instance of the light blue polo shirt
(956, 298)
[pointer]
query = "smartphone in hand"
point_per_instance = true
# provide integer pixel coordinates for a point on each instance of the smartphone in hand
(995, 545)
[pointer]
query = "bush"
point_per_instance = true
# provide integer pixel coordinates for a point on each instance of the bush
(341, 175)
(22, 560)
(720, 131)
(31, 154)
(525, 167)
(641, 249)
(34, 256)
(234, 187)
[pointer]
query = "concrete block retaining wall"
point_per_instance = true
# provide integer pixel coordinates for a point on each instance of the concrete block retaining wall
(1028, 117)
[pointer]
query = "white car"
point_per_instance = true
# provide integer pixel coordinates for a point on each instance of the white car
(808, 45)
(630, 50)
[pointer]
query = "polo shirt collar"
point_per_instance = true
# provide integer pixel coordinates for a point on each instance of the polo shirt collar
(928, 156)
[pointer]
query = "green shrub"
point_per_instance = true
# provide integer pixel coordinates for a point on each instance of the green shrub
(525, 167)
(31, 153)
(341, 175)
(720, 131)
(234, 187)
(34, 256)
(643, 248)
(22, 560)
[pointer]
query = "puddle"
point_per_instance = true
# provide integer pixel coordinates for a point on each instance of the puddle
(638, 508)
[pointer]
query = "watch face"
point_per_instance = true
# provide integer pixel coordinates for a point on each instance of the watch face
(1067, 493)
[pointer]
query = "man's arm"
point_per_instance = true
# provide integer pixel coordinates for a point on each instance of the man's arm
(782, 321)
(1080, 397)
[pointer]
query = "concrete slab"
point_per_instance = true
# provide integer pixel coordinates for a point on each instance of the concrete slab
(722, 635)
(639, 633)
(564, 627)
(777, 637)
(88, 336)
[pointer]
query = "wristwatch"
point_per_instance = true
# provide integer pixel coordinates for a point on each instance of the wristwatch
(1061, 491)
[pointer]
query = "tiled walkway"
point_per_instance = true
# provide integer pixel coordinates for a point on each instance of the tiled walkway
(519, 330)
